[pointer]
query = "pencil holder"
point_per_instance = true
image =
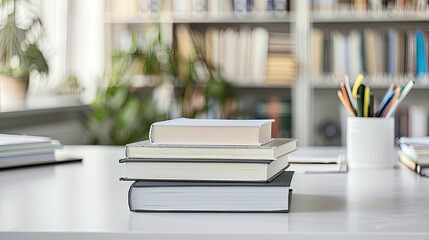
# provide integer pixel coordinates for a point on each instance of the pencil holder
(370, 143)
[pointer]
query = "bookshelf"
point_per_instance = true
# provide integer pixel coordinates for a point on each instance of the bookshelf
(255, 95)
(311, 97)
(389, 24)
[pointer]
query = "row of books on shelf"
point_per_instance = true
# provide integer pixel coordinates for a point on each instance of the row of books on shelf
(244, 55)
(210, 165)
(188, 7)
(412, 121)
(273, 107)
(370, 5)
(391, 52)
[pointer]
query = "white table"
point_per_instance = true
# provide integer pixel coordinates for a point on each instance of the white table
(87, 201)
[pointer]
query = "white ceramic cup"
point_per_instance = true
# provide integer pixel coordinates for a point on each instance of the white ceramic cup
(370, 143)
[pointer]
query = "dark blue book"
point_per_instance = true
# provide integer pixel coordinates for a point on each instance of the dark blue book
(191, 196)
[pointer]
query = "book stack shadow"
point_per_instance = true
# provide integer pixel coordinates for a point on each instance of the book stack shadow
(209, 165)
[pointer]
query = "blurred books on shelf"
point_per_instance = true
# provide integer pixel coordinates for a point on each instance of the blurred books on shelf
(187, 8)
(378, 53)
(278, 109)
(198, 176)
(373, 6)
(414, 154)
(412, 121)
(252, 55)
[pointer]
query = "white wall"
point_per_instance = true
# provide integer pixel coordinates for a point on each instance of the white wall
(54, 17)
(85, 47)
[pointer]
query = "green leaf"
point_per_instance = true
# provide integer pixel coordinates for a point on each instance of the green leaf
(35, 60)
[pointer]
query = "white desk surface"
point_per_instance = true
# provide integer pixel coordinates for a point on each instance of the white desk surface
(87, 201)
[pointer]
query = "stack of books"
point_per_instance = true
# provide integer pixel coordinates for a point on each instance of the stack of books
(414, 154)
(210, 165)
(23, 150)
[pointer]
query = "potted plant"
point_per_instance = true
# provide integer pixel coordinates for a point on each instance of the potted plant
(122, 113)
(19, 52)
(204, 86)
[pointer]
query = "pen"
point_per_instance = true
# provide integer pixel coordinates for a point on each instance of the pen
(391, 102)
(371, 105)
(404, 93)
(360, 101)
(360, 107)
(383, 104)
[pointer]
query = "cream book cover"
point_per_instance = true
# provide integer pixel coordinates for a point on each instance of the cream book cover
(211, 131)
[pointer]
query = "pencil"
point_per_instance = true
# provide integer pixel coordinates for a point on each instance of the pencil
(356, 85)
(343, 101)
(366, 101)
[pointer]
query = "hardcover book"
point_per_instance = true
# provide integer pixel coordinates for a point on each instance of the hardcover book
(166, 196)
(211, 132)
(420, 168)
(204, 169)
(268, 151)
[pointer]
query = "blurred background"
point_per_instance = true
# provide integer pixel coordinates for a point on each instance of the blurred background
(101, 71)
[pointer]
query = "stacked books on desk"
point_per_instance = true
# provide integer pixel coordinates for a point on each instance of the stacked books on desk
(414, 154)
(209, 165)
(23, 150)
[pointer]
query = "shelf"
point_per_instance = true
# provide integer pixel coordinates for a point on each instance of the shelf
(374, 83)
(203, 18)
(230, 17)
(368, 17)
(137, 19)
(260, 86)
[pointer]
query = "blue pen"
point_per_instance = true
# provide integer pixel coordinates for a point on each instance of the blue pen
(384, 103)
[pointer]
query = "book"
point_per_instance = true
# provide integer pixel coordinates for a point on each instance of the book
(23, 150)
(29, 159)
(318, 160)
(190, 196)
(38, 159)
(211, 132)
(204, 169)
(12, 142)
(416, 148)
(420, 168)
(268, 151)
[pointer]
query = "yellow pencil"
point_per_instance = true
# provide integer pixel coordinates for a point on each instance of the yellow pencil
(347, 106)
(356, 85)
(366, 95)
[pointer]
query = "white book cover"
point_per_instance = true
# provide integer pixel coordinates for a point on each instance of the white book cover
(244, 48)
(354, 53)
(268, 151)
(230, 54)
(316, 52)
(339, 53)
(211, 132)
(260, 39)
(418, 116)
(212, 39)
(13, 140)
(191, 122)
